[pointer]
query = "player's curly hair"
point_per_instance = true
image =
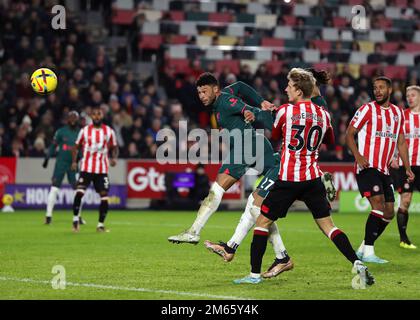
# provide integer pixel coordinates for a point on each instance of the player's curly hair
(321, 76)
(303, 80)
(206, 79)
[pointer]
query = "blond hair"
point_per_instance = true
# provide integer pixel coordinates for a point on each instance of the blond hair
(416, 88)
(303, 80)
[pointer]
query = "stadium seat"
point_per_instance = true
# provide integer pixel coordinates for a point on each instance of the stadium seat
(368, 69)
(227, 40)
(284, 32)
(417, 36)
(403, 24)
(412, 47)
(180, 65)
(220, 17)
(208, 6)
(377, 4)
(393, 12)
(150, 41)
(124, 4)
(353, 68)
(346, 35)
(366, 46)
(162, 5)
(188, 28)
(151, 15)
(289, 20)
(245, 18)
(302, 10)
(232, 64)
(396, 72)
(311, 55)
(178, 39)
(272, 42)
(263, 55)
(252, 64)
(322, 45)
(122, 17)
(274, 66)
(197, 16)
(340, 22)
(235, 30)
(295, 43)
(266, 21)
(405, 59)
(344, 11)
(401, 3)
(214, 54)
(252, 41)
(377, 35)
(150, 28)
(314, 21)
(177, 16)
(178, 51)
(209, 33)
(330, 34)
(358, 57)
(203, 40)
(255, 8)
(390, 47)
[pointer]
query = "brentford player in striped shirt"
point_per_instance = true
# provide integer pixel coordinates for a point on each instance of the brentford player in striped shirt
(95, 140)
(405, 188)
(303, 127)
(379, 129)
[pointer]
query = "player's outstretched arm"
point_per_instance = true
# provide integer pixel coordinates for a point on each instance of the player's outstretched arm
(74, 152)
(403, 151)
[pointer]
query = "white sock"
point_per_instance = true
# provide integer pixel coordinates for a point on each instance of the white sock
(245, 224)
(100, 224)
(362, 247)
(208, 207)
(75, 218)
(369, 250)
(52, 198)
(277, 242)
(255, 275)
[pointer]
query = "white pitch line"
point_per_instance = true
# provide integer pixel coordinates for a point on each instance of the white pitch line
(107, 287)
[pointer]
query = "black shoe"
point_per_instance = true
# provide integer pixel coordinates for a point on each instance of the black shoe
(48, 220)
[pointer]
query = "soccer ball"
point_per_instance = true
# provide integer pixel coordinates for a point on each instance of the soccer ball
(44, 81)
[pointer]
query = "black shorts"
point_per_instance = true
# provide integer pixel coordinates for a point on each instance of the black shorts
(100, 181)
(400, 180)
(284, 193)
(372, 182)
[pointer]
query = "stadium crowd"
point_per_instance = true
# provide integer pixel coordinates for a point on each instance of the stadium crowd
(136, 110)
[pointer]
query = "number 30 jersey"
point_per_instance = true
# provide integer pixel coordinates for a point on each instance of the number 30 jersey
(302, 128)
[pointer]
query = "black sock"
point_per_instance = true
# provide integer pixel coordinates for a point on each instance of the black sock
(103, 210)
(402, 220)
(283, 260)
(258, 246)
(372, 229)
(231, 249)
(343, 244)
(76, 203)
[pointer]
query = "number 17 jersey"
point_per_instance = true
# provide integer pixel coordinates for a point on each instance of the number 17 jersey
(302, 128)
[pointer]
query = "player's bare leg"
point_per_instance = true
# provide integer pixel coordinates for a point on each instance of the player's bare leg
(402, 220)
(380, 216)
(208, 207)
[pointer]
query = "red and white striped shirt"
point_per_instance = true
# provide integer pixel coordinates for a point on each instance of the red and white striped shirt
(378, 134)
(412, 136)
(95, 142)
(302, 127)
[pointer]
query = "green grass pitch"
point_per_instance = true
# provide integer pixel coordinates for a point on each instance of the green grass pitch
(135, 260)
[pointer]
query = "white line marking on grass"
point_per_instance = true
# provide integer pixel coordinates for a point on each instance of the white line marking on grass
(108, 287)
